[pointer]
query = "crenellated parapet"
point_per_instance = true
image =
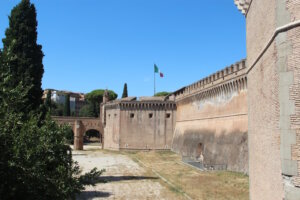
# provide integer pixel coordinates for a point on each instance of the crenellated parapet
(231, 79)
(141, 105)
(243, 5)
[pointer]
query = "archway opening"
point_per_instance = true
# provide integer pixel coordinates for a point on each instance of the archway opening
(93, 136)
(199, 149)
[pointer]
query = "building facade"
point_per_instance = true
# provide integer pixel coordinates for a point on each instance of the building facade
(273, 60)
(77, 100)
(144, 124)
(212, 119)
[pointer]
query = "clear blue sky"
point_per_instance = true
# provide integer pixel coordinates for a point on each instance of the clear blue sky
(91, 44)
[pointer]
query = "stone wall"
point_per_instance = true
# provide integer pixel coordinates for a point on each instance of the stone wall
(139, 125)
(273, 40)
(112, 128)
(212, 113)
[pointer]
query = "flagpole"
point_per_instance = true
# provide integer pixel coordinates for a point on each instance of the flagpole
(154, 82)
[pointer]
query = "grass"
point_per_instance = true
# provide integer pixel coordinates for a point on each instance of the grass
(188, 180)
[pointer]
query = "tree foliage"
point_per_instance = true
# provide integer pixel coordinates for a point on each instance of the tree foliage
(95, 98)
(125, 92)
(48, 103)
(97, 95)
(67, 111)
(35, 162)
(160, 94)
(22, 56)
(87, 110)
(57, 109)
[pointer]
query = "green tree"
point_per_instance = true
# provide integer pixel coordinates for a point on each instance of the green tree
(57, 109)
(48, 103)
(22, 56)
(160, 94)
(125, 92)
(0, 58)
(35, 162)
(87, 111)
(67, 111)
(95, 98)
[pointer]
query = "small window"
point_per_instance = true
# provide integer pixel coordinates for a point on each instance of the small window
(108, 115)
(115, 115)
(150, 115)
(131, 115)
(168, 115)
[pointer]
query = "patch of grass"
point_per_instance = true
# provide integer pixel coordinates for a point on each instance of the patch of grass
(199, 185)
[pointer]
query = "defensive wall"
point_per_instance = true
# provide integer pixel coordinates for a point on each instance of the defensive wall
(80, 125)
(147, 123)
(212, 119)
(273, 60)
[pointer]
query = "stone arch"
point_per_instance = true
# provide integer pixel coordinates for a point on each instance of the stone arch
(98, 135)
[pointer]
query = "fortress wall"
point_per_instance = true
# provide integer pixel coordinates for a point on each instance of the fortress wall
(215, 116)
(274, 105)
(143, 132)
(112, 129)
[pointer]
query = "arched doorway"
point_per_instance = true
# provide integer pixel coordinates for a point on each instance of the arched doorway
(93, 137)
(199, 156)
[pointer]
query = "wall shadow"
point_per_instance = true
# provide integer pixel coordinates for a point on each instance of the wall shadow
(108, 179)
(87, 195)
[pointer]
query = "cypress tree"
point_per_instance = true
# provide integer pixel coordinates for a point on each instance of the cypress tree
(22, 56)
(67, 111)
(125, 92)
(35, 162)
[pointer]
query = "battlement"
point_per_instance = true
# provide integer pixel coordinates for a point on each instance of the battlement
(243, 5)
(235, 74)
(142, 105)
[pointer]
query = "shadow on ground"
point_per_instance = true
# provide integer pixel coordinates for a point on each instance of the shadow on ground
(86, 195)
(108, 179)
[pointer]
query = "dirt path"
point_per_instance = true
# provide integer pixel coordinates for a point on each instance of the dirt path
(156, 175)
(125, 178)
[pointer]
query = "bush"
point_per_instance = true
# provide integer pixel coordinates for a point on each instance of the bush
(69, 135)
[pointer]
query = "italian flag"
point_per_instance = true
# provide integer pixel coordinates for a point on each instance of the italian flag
(156, 70)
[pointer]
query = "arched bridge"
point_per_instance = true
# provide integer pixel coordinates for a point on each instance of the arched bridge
(80, 125)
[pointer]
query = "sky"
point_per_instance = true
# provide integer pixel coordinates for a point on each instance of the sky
(102, 44)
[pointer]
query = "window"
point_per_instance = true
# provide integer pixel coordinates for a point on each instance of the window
(168, 115)
(115, 115)
(150, 115)
(108, 115)
(131, 115)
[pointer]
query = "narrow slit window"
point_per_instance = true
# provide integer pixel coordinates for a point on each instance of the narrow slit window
(131, 115)
(168, 115)
(150, 115)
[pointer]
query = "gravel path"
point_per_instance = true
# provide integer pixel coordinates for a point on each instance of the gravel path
(125, 178)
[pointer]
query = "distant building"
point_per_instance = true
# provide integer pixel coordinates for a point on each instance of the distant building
(147, 123)
(77, 100)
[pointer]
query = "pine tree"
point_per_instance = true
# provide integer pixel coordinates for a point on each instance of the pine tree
(22, 56)
(125, 92)
(67, 111)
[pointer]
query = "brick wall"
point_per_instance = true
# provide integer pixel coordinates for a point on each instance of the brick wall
(274, 107)
(294, 66)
